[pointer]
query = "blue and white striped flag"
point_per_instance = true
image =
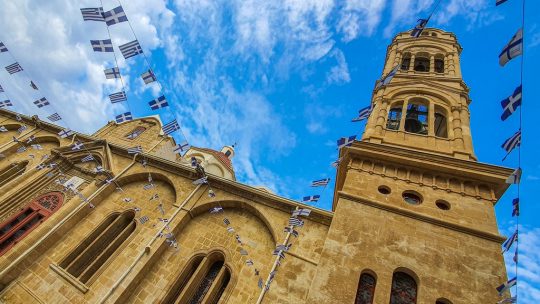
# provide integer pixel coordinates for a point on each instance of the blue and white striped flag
(54, 117)
(419, 28)
(135, 150)
(296, 222)
(499, 2)
(112, 73)
(311, 198)
(92, 14)
(130, 49)
(87, 159)
(171, 127)
(511, 103)
(363, 114)
(3, 47)
(124, 117)
(102, 45)
(5, 103)
(506, 286)
(512, 142)
(14, 68)
(513, 49)
(41, 102)
(118, 97)
(301, 212)
(386, 79)
(114, 16)
(158, 103)
(345, 141)
(321, 182)
(509, 242)
(148, 77)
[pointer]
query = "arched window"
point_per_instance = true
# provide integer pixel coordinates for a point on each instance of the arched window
(394, 117)
(135, 132)
(416, 120)
(406, 61)
(203, 280)
(11, 171)
(441, 124)
(439, 64)
(89, 256)
(366, 289)
(403, 289)
(18, 226)
(421, 63)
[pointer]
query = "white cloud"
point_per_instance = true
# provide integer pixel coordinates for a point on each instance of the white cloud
(339, 74)
(360, 17)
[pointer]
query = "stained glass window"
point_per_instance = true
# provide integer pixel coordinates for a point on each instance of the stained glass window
(403, 289)
(366, 289)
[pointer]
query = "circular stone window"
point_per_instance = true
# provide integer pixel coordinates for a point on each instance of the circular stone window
(412, 197)
(442, 204)
(384, 190)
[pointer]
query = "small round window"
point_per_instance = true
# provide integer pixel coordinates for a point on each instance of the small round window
(384, 190)
(443, 205)
(412, 197)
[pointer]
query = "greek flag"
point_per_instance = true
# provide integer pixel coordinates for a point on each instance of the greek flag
(321, 182)
(114, 16)
(87, 159)
(311, 198)
(515, 177)
(124, 117)
(18, 117)
(65, 133)
(158, 103)
(21, 149)
(5, 103)
(92, 14)
(200, 181)
(30, 139)
(249, 262)
(77, 146)
(148, 186)
(3, 129)
(41, 102)
(3, 47)
(230, 229)
(345, 141)
(148, 77)
(291, 231)
(182, 147)
(511, 103)
(171, 127)
(1, 89)
(102, 45)
(112, 73)
(513, 49)
(505, 286)
(293, 221)
(211, 193)
(130, 49)
(509, 242)
(14, 68)
(512, 142)
(118, 97)
(226, 221)
(499, 2)
(419, 28)
(515, 207)
(54, 117)
(363, 114)
(134, 150)
(22, 129)
(216, 210)
(99, 169)
(335, 163)
(33, 85)
(144, 219)
(301, 212)
(386, 79)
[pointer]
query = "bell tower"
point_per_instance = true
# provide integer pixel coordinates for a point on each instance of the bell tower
(414, 218)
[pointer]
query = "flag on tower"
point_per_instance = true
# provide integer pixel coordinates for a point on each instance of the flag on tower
(515, 177)
(419, 28)
(33, 85)
(509, 242)
(311, 198)
(130, 49)
(148, 76)
(112, 73)
(301, 212)
(499, 2)
(182, 147)
(158, 103)
(102, 45)
(321, 182)
(293, 221)
(171, 127)
(5, 103)
(54, 117)
(515, 207)
(118, 97)
(511, 103)
(92, 14)
(200, 181)
(506, 286)
(512, 142)
(114, 16)
(65, 133)
(363, 114)
(3, 47)
(386, 79)
(124, 117)
(335, 163)
(77, 146)
(135, 150)
(41, 102)
(345, 141)
(14, 68)
(513, 49)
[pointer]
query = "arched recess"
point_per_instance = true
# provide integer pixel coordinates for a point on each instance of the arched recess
(404, 287)
(77, 159)
(366, 287)
(6, 137)
(18, 226)
(443, 301)
(11, 171)
(40, 146)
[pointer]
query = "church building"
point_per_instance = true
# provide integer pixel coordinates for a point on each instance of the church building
(84, 219)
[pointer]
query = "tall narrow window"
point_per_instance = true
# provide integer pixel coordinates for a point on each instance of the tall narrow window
(406, 62)
(394, 118)
(403, 289)
(11, 171)
(18, 226)
(182, 280)
(441, 129)
(416, 120)
(366, 289)
(99, 246)
(206, 283)
(135, 132)
(439, 65)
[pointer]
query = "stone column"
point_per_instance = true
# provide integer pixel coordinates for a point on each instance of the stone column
(456, 64)
(456, 126)
(403, 115)
(431, 117)
(411, 65)
(432, 64)
(381, 116)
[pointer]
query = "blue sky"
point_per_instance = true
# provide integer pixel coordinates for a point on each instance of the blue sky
(282, 79)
